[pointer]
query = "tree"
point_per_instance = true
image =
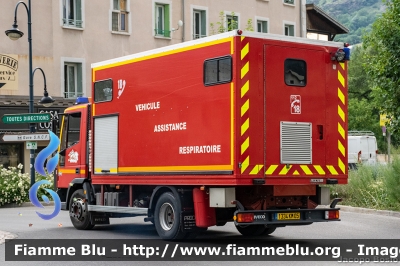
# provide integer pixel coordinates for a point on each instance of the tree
(359, 83)
(383, 62)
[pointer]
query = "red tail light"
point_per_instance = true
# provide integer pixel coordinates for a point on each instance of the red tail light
(331, 215)
(245, 217)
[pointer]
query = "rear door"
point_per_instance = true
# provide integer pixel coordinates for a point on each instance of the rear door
(295, 119)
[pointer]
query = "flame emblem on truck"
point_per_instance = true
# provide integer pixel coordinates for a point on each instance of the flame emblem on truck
(295, 104)
(121, 87)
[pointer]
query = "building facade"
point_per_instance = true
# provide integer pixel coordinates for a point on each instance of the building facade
(69, 35)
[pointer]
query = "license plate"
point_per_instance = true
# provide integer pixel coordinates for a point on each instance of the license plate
(289, 216)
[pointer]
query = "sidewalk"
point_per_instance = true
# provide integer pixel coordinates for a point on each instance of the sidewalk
(7, 235)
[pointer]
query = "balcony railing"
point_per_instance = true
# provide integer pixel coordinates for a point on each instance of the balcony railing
(198, 36)
(72, 95)
(163, 33)
(72, 23)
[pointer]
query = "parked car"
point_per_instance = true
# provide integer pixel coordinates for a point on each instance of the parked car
(362, 148)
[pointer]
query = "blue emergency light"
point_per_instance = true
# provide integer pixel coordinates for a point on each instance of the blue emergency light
(81, 100)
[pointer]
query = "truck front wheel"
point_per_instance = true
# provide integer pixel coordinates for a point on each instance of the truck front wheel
(167, 217)
(78, 211)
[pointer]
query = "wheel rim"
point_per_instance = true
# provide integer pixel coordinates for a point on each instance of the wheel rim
(77, 210)
(167, 216)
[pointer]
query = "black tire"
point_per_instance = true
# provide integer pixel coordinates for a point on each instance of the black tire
(167, 217)
(78, 211)
(268, 231)
(251, 230)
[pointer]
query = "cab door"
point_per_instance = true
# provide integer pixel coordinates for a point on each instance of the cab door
(73, 161)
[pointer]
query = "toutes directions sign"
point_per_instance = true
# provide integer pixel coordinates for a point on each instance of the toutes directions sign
(26, 118)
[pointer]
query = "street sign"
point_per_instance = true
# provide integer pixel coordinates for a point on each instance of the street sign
(26, 137)
(26, 118)
(383, 120)
(31, 145)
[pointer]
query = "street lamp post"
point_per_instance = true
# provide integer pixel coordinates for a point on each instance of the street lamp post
(14, 34)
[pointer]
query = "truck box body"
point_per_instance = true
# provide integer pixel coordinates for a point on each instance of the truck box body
(240, 127)
(164, 121)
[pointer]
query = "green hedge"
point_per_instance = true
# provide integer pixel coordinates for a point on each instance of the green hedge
(372, 186)
(14, 185)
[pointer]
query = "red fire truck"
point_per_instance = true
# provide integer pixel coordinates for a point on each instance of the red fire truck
(238, 127)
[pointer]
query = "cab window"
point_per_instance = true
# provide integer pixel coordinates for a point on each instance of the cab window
(70, 133)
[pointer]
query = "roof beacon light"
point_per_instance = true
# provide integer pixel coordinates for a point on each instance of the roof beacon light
(347, 53)
(81, 100)
(339, 56)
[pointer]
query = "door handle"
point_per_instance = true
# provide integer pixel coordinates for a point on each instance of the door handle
(77, 170)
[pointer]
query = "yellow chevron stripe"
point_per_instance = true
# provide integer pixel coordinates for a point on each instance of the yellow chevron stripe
(245, 70)
(319, 169)
(285, 170)
(341, 114)
(245, 145)
(245, 88)
(256, 169)
(342, 65)
(341, 148)
(245, 164)
(306, 169)
(245, 107)
(341, 78)
(341, 131)
(244, 51)
(332, 169)
(242, 38)
(341, 96)
(271, 169)
(296, 173)
(342, 166)
(245, 126)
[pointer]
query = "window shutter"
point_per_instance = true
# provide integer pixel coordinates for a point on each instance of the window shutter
(115, 21)
(166, 21)
(115, 5)
(78, 13)
(203, 24)
(79, 80)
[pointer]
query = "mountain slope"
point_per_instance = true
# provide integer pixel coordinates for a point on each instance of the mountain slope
(356, 15)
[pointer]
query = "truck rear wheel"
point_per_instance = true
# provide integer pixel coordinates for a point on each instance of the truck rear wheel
(167, 217)
(78, 211)
(254, 230)
(268, 231)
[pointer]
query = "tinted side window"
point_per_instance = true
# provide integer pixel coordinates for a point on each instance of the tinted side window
(218, 71)
(295, 72)
(103, 91)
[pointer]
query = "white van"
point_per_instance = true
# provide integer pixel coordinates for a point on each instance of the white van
(362, 148)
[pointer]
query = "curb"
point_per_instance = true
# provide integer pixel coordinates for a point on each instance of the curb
(368, 211)
(24, 204)
(6, 235)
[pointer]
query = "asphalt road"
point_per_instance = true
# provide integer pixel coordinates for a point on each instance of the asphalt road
(23, 223)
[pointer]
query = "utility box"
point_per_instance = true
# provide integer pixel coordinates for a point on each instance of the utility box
(222, 197)
(324, 196)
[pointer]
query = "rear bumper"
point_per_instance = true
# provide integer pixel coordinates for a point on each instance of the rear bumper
(286, 217)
